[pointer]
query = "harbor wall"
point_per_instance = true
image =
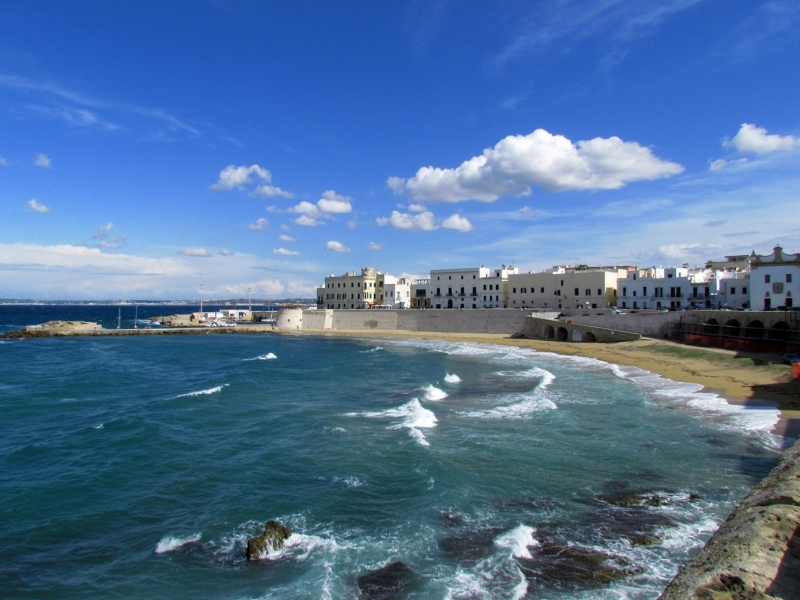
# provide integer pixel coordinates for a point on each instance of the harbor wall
(565, 331)
(756, 552)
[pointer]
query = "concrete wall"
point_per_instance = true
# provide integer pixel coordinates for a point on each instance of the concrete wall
(549, 329)
(503, 321)
(655, 324)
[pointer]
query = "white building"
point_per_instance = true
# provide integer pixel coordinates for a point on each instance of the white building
(493, 289)
(352, 290)
(421, 293)
(456, 288)
(566, 287)
(774, 279)
(396, 292)
(655, 288)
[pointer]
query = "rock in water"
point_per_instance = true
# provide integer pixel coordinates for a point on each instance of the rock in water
(272, 539)
(385, 583)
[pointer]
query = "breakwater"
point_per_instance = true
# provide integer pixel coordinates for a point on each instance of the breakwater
(32, 332)
(756, 552)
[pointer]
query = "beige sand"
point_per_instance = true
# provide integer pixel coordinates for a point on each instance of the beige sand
(742, 378)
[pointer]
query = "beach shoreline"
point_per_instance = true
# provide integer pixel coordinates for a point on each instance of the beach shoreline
(745, 379)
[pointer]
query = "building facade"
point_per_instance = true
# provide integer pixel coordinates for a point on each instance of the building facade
(562, 288)
(456, 288)
(352, 290)
(396, 292)
(774, 280)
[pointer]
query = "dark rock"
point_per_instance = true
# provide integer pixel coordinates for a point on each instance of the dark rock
(575, 566)
(646, 498)
(452, 519)
(272, 539)
(644, 540)
(471, 546)
(386, 583)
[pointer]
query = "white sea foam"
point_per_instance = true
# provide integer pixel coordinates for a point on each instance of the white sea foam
(351, 482)
(452, 378)
(688, 536)
(413, 416)
(101, 426)
(518, 540)
(267, 356)
(521, 589)
(433, 393)
(170, 544)
(374, 349)
(299, 546)
(545, 376)
(207, 392)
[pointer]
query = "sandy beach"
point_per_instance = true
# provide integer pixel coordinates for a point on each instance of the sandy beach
(742, 378)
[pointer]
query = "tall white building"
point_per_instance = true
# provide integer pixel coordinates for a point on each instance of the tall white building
(774, 279)
(396, 292)
(456, 288)
(655, 288)
(352, 290)
(493, 289)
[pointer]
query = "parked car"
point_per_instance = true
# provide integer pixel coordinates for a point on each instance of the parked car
(618, 312)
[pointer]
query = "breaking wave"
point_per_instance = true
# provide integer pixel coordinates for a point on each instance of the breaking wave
(413, 416)
(267, 356)
(518, 540)
(170, 544)
(433, 393)
(452, 378)
(207, 392)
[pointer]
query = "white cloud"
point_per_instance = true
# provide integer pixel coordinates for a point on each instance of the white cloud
(225, 252)
(285, 227)
(3, 162)
(284, 252)
(104, 238)
(286, 238)
(376, 246)
(330, 204)
(270, 190)
(416, 208)
(261, 223)
(457, 223)
(236, 177)
(420, 222)
(551, 162)
(307, 221)
(756, 139)
(36, 206)
(722, 164)
(334, 246)
(195, 252)
(42, 160)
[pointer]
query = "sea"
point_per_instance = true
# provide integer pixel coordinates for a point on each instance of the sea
(138, 467)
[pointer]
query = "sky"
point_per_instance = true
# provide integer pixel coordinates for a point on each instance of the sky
(252, 147)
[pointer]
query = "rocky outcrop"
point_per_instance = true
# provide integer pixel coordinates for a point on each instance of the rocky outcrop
(272, 539)
(755, 555)
(385, 583)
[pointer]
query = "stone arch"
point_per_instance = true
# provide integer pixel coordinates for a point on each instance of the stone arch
(561, 334)
(755, 329)
(549, 333)
(779, 331)
(732, 328)
(712, 327)
(589, 337)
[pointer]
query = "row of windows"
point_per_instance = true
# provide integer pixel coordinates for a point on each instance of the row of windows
(367, 284)
(788, 278)
(367, 296)
(451, 277)
(555, 293)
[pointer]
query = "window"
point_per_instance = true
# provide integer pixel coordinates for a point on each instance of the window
(624, 291)
(462, 277)
(514, 290)
(523, 290)
(543, 290)
(766, 278)
(634, 293)
(562, 283)
(449, 277)
(744, 290)
(733, 290)
(588, 292)
(484, 289)
(577, 292)
(474, 292)
(599, 292)
(644, 291)
(788, 278)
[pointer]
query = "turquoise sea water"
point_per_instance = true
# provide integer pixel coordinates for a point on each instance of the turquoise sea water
(138, 468)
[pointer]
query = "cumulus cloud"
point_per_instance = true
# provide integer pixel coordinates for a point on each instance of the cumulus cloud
(457, 223)
(35, 206)
(419, 222)
(284, 252)
(416, 208)
(541, 159)
(376, 246)
(286, 238)
(335, 246)
(42, 160)
(756, 139)
(271, 190)
(261, 223)
(195, 252)
(330, 204)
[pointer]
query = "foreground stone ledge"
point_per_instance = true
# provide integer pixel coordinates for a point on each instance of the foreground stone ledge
(755, 555)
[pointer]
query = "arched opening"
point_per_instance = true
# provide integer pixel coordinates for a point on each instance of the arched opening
(589, 337)
(755, 329)
(732, 328)
(712, 327)
(549, 333)
(779, 331)
(561, 334)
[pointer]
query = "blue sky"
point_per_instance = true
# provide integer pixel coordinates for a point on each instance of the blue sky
(149, 147)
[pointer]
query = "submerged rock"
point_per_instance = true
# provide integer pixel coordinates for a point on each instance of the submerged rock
(272, 539)
(646, 497)
(576, 566)
(386, 583)
(473, 545)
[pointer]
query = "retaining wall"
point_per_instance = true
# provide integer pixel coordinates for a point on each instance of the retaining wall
(756, 552)
(549, 329)
(655, 324)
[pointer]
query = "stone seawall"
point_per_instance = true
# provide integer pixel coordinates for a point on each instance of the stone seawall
(561, 331)
(654, 324)
(756, 553)
(497, 320)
